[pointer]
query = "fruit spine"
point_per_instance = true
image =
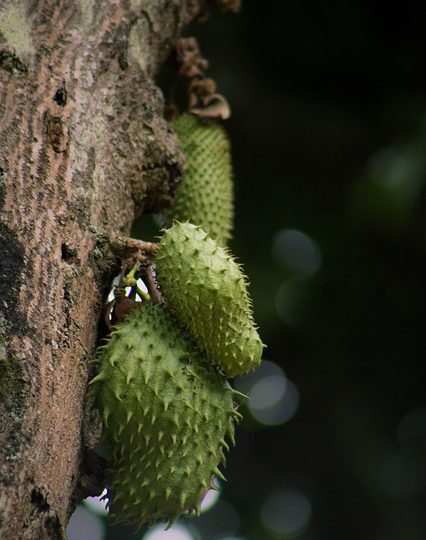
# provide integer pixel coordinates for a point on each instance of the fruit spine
(166, 414)
(205, 195)
(208, 292)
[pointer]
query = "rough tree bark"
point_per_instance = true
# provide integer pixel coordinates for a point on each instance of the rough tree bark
(84, 148)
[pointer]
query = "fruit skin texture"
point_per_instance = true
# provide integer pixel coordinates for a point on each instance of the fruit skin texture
(205, 195)
(166, 414)
(207, 290)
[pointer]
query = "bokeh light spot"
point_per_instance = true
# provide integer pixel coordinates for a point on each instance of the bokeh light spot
(211, 498)
(267, 392)
(84, 525)
(399, 171)
(281, 411)
(274, 399)
(267, 368)
(296, 252)
(96, 504)
(176, 532)
(286, 512)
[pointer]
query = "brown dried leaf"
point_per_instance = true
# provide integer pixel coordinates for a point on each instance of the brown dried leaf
(214, 106)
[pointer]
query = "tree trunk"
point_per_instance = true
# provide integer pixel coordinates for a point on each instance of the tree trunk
(84, 148)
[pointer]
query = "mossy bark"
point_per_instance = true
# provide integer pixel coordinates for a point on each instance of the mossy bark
(84, 148)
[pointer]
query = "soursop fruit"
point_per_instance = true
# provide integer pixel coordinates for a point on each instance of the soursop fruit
(166, 414)
(205, 195)
(208, 292)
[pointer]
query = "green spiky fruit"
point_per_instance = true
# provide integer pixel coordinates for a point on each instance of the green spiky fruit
(205, 195)
(166, 413)
(207, 290)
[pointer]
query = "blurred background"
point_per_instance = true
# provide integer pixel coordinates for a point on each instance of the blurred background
(329, 144)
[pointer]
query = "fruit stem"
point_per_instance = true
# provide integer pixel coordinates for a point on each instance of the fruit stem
(130, 280)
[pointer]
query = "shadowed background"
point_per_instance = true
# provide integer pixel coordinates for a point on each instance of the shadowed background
(329, 137)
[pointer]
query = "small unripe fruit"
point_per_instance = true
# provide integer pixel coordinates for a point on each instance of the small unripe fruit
(205, 195)
(166, 414)
(207, 290)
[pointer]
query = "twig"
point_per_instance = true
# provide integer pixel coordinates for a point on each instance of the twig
(151, 283)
